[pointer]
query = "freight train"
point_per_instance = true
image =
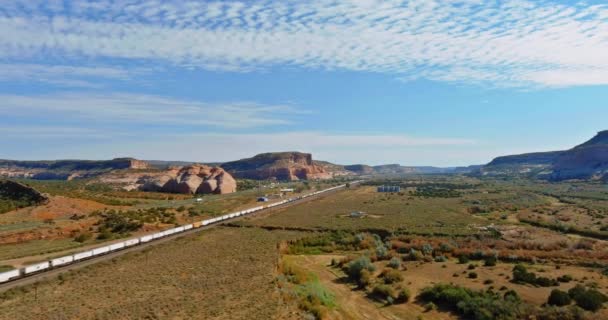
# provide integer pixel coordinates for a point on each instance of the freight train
(85, 255)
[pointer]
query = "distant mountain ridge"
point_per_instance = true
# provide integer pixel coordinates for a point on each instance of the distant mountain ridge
(587, 161)
(66, 169)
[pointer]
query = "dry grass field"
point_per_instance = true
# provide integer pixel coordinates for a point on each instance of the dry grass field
(224, 273)
(37, 233)
(392, 212)
(293, 262)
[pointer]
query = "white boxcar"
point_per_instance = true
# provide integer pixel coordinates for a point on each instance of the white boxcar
(146, 239)
(179, 229)
(102, 250)
(188, 227)
(37, 267)
(131, 242)
(206, 222)
(158, 235)
(61, 261)
(117, 246)
(83, 255)
(8, 275)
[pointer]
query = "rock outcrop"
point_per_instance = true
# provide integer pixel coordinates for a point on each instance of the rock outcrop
(194, 179)
(284, 166)
(588, 161)
(19, 194)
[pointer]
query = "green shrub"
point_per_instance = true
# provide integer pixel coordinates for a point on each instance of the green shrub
(427, 249)
(395, 263)
(365, 278)
(588, 299)
(565, 278)
(430, 307)
(511, 295)
(472, 275)
(559, 298)
(522, 276)
(383, 292)
(415, 255)
(477, 305)
(354, 268)
(382, 252)
(463, 259)
(83, 237)
(404, 295)
(490, 261)
(441, 259)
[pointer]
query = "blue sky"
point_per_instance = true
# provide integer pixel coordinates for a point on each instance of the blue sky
(413, 82)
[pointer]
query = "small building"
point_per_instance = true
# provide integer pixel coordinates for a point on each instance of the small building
(286, 190)
(199, 199)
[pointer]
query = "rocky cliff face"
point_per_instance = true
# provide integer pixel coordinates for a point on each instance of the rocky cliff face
(588, 161)
(193, 179)
(286, 166)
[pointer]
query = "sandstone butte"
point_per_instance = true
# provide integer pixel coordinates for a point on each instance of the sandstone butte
(285, 166)
(193, 179)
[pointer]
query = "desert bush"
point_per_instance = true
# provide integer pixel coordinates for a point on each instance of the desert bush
(415, 255)
(565, 278)
(588, 299)
(83, 237)
(403, 295)
(561, 313)
(472, 275)
(441, 259)
(490, 261)
(463, 259)
(559, 298)
(446, 248)
(365, 278)
(382, 252)
(477, 305)
(522, 276)
(390, 276)
(383, 292)
(430, 307)
(353, 269)
(427, 249)
(395, 263)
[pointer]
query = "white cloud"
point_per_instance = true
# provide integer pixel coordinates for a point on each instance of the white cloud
(137, 109)
(65, 75)
(504, 43)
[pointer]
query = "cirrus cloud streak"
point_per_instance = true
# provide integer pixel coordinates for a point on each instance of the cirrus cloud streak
(501, 43)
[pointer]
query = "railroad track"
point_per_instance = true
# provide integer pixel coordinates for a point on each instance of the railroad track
(53, 271)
